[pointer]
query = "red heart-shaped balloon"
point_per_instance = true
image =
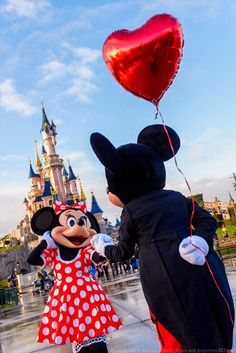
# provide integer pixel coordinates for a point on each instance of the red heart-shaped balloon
(145, 61)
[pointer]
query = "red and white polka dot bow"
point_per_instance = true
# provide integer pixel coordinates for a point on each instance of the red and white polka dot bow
(59, 206)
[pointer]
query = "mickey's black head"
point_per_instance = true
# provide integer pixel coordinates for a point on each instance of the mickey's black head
(135, 169)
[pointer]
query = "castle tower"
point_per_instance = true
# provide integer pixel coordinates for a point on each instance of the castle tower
(53, 164)
(66, 181)
(97, 212)
(82, 194)
(73, 187)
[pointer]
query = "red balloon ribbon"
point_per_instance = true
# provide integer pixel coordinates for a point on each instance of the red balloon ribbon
(145, 61)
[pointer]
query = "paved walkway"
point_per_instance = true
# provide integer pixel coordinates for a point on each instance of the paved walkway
(18, 329)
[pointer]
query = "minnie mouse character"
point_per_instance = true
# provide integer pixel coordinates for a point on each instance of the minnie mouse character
(183, 278)
(78, 310)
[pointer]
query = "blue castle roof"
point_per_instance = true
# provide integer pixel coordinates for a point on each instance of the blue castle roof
(47, 188)
(45, 121)
(38, 198)
(64, 172)
(117, 223)
(71, 174)
(95, 208)
(32, 174)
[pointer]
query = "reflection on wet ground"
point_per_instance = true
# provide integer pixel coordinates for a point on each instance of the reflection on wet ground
(18, 328)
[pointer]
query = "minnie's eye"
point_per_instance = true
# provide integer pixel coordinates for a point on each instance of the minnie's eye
(82, 221)
(71, 221)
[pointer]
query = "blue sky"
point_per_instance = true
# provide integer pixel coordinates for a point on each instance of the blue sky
(52, 51)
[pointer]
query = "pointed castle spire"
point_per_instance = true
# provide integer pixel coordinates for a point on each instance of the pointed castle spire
(45, 122)
(71, 173)
(32, 174)
(95, 208)
(38, 162)
(82, 194)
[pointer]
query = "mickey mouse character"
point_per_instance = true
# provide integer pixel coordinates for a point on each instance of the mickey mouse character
(183, 278)
(78, 310)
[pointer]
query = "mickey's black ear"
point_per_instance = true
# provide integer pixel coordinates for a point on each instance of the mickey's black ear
(43, 220)
(156, 137)
(93, 221)
(106, 152)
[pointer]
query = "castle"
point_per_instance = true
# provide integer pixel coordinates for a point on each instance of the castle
(52, 181)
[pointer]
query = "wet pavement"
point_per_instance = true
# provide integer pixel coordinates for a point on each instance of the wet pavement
(18, 327)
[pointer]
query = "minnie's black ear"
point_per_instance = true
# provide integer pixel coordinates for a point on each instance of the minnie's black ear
(93, 221)
(43, 220)
(156, 137)
(106, 152)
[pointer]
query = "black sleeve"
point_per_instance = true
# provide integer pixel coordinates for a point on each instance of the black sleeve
(204, 224)
(34, 257)
(96, 258)
(125, 248)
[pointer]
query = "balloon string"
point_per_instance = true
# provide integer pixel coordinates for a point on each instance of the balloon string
(180, 171)
(192, 215)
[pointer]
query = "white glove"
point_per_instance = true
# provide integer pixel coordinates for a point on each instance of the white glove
(100, 241)
(190, 253)
(50, 241)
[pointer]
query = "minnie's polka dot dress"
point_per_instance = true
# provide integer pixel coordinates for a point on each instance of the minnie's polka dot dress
(78, 309)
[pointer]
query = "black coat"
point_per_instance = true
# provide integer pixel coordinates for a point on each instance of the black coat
(183, 297)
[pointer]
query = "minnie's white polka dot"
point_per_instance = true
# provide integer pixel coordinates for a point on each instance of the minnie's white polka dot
(58, 266)
(97, 324)
(60, 317)
(71, 331)
(45, 320)
(54, 325)
(94, 312)
(88, 320)
(89, 288)
(56, 292)
(53, 313)
(111, 329)
(46, 340)
(85, 338)
(80, 282)
(91, 333)
(67, 340)
(71, 310)
(76, 301)
(64, 307)
(73, 289)
(46, 310)
(82, 294)
(46, 331)
(75, 322)
(62, 298)
(103, 319)
(115, 318)
(58, 340)
(80, 313)
(63, 329)
(68, 297)
(68, 270)
(69, 279)
(78, 273)
(87, 279)
(53, 335)
(67, 319)
(64, 288)
(85, 306)
(96, 297)
(82, 327)
(95, 287)
(108, 307)
(102, 297)
(92, 299)
(78, 264)
(54, 302)
(59, 276)
(103, 308)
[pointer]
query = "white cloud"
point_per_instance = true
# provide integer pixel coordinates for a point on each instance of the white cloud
(25, 8)
(13, 157)
(87, 55)
(53, 70)
(74, 156)
(78, 74)
(11, 100)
